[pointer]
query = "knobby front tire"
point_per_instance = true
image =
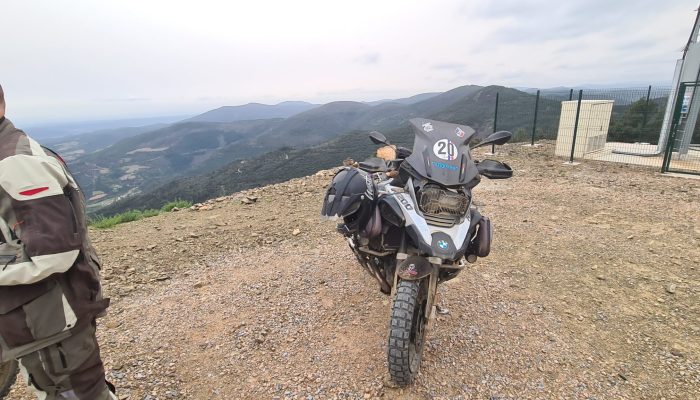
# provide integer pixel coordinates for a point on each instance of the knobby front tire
(407, 331)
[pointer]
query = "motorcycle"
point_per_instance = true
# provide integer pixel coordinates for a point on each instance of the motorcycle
(8, 374)
(409, 221)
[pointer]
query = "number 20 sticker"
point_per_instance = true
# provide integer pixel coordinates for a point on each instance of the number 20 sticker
(445, 150)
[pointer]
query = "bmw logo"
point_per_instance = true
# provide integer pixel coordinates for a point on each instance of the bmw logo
(443, 245)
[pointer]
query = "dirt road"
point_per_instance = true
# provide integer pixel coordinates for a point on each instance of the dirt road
(592, 291)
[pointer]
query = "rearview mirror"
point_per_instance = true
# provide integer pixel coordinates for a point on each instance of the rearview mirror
(378, 138)
(500, 137)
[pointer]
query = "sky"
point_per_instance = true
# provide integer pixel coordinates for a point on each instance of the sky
(92, 60)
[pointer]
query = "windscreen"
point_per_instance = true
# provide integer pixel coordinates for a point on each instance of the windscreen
(441, 152)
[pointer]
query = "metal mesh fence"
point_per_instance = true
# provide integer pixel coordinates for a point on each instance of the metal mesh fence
(614, 125)
(530, 114)
(682, 149)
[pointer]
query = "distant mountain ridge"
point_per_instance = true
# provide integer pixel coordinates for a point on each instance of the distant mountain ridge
(252, 111)
(406, 100)
(191, 148)
(329, 134)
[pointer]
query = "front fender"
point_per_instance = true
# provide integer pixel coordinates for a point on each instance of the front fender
(414, 268)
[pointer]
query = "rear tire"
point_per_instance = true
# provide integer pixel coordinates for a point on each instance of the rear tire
(407, 331)
(8, 374)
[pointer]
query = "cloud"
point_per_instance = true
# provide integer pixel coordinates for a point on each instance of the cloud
(450, 66)
(124, 99)
(179, 57)
(222, 99)
(537, 21)
(369, 59)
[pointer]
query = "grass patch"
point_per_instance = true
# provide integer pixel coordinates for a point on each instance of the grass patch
(177, 203)
(102, 222)
(128, 216)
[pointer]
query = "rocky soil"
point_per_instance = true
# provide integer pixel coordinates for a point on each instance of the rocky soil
(591, 292)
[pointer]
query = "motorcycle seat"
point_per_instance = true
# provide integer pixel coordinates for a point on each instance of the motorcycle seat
(373, 164)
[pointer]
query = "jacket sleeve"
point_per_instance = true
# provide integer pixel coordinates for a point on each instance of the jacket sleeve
(35, 205)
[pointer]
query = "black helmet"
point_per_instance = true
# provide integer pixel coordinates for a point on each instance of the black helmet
(350, 196)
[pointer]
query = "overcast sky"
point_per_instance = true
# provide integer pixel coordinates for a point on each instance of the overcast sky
(87, 59)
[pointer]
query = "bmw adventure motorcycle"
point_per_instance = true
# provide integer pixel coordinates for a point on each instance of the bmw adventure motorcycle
(410, 223)
(8, 374)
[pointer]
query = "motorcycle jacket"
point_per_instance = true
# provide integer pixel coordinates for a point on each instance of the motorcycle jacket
(49, 271)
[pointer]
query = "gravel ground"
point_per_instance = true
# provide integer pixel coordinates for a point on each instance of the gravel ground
(591, 292)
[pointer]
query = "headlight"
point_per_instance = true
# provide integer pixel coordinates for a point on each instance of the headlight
(438, 201)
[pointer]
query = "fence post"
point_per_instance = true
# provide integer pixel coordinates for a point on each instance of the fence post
(534, 122)
(573, 140)
(495, 120)
(675, 120)
(646, 108)
(571, 94)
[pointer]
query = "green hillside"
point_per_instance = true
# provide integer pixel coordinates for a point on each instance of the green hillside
(474, 108)
(73, 147)
(130, 166)
(151, 158)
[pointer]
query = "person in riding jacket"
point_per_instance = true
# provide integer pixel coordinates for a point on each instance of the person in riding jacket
(50, 292)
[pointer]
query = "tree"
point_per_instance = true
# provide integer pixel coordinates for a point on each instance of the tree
(640, 122)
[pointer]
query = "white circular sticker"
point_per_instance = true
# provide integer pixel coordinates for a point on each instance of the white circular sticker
(445, 150)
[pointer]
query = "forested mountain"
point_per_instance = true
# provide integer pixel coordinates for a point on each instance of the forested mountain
(407, 100)
(254, 111)
(73, 147)
(474, 107)
(158, 156)
(193, 148)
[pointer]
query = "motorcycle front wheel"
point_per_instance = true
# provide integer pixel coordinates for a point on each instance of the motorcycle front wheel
(407, 330)
(8, 374)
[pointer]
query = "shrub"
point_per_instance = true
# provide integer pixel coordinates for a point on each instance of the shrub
(177, 203)
(102, 222)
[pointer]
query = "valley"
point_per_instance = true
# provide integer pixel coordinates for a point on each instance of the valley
(216, 154)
